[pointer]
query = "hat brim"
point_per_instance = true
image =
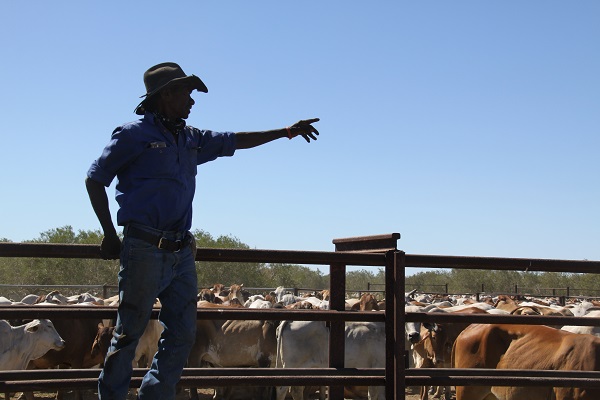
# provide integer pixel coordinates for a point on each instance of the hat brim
(191, 80)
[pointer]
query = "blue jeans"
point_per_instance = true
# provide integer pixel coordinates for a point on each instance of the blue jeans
(148, 273)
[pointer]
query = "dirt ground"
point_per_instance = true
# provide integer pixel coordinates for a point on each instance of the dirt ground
(203, 394)
(93, 395)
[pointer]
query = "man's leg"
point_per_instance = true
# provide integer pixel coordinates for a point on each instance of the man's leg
(178, 315)
(139, 280)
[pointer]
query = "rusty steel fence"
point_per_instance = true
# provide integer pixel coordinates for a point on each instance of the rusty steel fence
(372, 251)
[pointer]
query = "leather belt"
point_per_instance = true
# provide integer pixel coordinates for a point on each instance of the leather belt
(159, 241)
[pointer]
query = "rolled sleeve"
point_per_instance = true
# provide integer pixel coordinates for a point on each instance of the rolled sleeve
(213, 145)
(123, 148)
(99, 175)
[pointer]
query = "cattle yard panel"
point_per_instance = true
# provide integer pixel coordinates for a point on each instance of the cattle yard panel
(335, 377)
(395, 378)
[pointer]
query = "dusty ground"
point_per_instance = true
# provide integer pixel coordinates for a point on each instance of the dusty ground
(93, 395)
(202, 395)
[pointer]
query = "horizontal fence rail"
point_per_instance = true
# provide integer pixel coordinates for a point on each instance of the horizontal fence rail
(48, 250)
(14, 381)
(505, 264)
(106, 312)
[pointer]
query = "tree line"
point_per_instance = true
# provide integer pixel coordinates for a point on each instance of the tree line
(57, 271)
(50, 271)
(506, 282)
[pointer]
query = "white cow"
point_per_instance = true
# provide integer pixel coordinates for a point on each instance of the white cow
(258, 301)
(21, 344)
(85, 298)
(365, 348)
(30, 299)
(55, 297)
(304, 344)
(581, 308)
(413, 329)
(316, 302)
(301, 344)
(590, 330)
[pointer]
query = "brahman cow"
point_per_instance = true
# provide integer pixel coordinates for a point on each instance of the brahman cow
(304, 344)
(21, 344)
(301, 344)
(233, 343)
(79, 336)
(525, 347)
(590, 330)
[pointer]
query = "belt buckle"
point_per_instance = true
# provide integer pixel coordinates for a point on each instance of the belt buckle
(162, 243)
(167, 244)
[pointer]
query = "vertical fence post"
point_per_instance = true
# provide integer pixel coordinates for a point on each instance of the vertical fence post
(394, 316)
(395, 365)
(337, 290)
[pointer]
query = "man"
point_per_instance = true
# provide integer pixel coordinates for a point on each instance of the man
(155, 160)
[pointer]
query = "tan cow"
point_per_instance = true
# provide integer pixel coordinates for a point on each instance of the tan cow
(232, 343)
(367, 302)
(435, 347)
(525, 347)
(227, 296)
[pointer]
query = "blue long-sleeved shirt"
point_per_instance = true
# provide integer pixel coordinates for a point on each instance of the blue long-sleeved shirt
(156, 177)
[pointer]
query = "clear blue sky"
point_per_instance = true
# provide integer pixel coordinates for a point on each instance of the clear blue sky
(469, 127)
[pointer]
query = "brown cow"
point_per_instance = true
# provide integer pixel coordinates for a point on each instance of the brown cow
(367, 302)
(525, 347)
(227, 295)
(435, 348)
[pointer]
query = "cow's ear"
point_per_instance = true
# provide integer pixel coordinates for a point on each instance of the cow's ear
(33, 327)
(429, 326)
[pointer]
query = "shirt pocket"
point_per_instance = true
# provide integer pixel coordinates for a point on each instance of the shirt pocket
(157, 162)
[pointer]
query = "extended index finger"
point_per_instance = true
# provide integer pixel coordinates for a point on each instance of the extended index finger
(309, 121)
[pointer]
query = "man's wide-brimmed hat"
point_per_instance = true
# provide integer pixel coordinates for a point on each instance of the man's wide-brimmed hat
(162, 75)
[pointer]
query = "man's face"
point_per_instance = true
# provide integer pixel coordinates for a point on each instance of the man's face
(178, 101)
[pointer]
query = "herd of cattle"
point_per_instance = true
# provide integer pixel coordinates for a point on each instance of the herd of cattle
(507, 346)
(83, 343)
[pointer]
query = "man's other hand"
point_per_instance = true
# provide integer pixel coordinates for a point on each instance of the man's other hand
(110, 248)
